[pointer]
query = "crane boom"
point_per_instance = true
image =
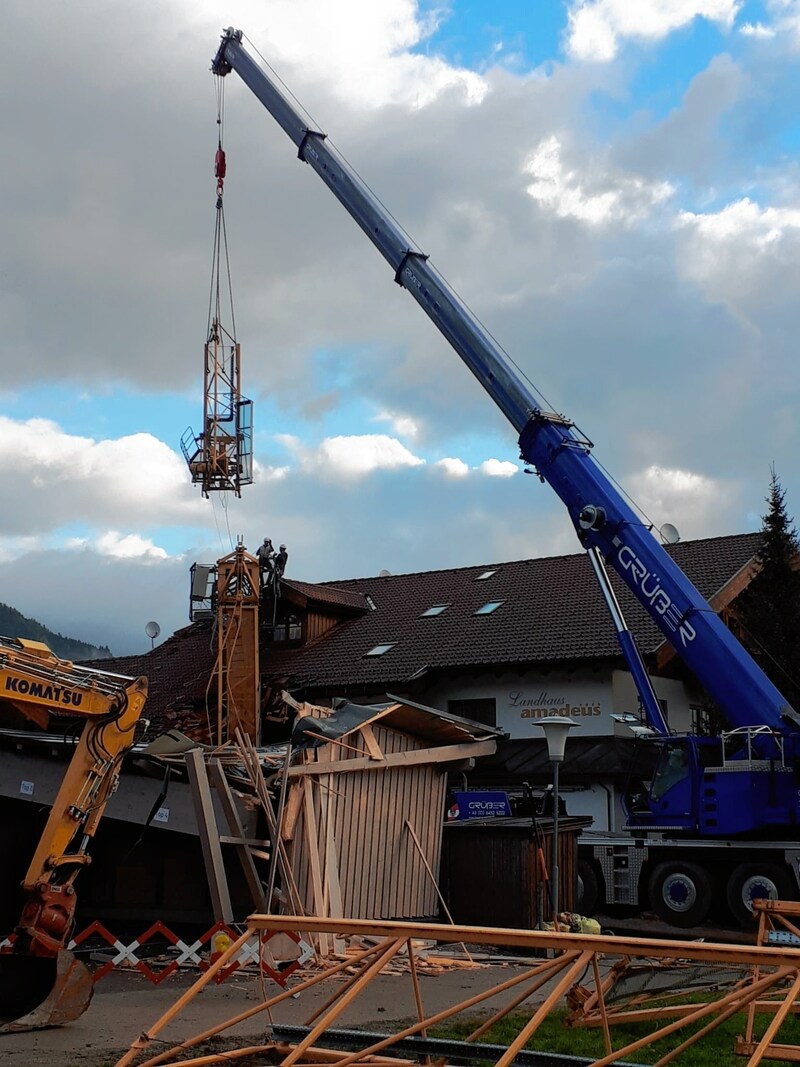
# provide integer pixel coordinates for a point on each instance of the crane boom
(561, 455)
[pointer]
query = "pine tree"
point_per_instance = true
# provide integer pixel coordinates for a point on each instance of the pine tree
(769, 609)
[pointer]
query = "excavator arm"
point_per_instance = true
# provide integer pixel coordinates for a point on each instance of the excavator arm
(40, 982)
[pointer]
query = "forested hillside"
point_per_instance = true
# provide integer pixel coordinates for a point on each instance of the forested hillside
(14, 624)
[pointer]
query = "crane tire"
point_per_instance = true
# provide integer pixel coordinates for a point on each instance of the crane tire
(587, 891)
(680, 893)
(753, 881)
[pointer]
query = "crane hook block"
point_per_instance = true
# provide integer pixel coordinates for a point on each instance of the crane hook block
(219, 168)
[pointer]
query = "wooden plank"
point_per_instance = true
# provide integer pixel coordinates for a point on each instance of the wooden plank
(332, 885)
(332, 741)
(370, 741)
(293, 806)
(443, 754)
(312, 852)
(209, 836)
(252, 764)
(350, 815)
(442, 901)
(220, 783)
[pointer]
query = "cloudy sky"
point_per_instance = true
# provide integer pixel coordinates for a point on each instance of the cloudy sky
(613, 187)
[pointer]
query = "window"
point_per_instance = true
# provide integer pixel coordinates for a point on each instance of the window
(479, 709)
(288, 629)
(379, 650)
(485, 575)
(489, 607)
(706, 720)
(435, 609)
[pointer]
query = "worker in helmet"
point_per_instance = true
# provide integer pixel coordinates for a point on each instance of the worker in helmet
(265, 554)
(280, 561)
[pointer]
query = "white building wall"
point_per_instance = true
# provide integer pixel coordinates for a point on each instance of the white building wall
(678, 713)
(588, 696)
(601, 802)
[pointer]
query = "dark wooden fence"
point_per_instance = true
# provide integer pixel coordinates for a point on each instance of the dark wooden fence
(492, 872)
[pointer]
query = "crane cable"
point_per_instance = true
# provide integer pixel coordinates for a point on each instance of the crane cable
(220, 248)
(215, 331)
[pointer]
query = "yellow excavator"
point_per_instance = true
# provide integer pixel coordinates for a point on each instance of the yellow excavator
(41, 982)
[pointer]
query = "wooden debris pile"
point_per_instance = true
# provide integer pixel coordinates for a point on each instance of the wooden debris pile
(353, 810)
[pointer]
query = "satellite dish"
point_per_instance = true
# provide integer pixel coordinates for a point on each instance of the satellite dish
(669, 534)
(152, 630)
(384, 573)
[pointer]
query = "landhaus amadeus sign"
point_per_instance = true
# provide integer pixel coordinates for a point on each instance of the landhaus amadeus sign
(544, 704)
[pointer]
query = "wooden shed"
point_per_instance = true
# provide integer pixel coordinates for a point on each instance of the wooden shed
(366, 803)
(491, 871)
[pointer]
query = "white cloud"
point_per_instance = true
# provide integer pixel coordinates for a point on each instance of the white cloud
(785, 22)
(757, 29)
(121, 546)
(595, 198)
(498, 468)
(596, 27)
(351, 457)
(361, 49)
(265, 473)
(739, 249)
(692, 502)
(12, 548)
(745, 221)
(452, 467)
(53, 477)
(402, 425)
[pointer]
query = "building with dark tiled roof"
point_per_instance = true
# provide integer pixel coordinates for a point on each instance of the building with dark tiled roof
(504, 644)
(435, 633)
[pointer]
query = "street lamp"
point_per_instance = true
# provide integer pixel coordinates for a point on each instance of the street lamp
(556, 728)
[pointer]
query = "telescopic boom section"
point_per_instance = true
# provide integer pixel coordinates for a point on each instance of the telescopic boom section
(561, 455)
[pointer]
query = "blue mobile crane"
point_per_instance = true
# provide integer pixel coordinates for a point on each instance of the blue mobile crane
(739, 790)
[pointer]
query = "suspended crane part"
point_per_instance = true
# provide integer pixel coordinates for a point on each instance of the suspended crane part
(220, 457)
(41, 983)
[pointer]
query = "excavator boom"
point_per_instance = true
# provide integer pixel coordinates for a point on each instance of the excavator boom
(41, 983)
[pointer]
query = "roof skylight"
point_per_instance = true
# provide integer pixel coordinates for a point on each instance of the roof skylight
(489, 607)
(434, 609)
(485, 575)
(380, 650)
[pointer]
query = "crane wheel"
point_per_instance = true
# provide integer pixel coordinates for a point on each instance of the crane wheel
(756, 881)
(681, 893)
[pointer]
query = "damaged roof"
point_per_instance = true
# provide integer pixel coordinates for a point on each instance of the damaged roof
(419, 720)
(535, 610)
(177, 670)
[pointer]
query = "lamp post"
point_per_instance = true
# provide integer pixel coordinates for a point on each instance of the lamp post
(556, 728)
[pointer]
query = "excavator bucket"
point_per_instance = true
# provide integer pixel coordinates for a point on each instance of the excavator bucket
(36, 992)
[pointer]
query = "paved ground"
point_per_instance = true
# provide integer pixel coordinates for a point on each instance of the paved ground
(126, 1004)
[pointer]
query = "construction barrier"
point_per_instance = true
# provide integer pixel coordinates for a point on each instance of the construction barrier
(159, 952)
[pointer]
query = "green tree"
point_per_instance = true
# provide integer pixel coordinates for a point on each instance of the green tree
(769, 609)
